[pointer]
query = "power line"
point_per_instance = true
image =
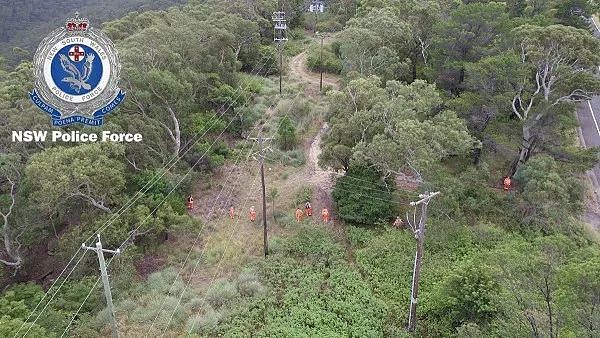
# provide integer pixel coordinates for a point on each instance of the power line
(200, 232)
(121, 247)
(198, 261)
(223, 254)
(220, 261)
(131, 233)
(51, 298)
(131, 201)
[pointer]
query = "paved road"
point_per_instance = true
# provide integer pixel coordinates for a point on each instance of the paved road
(589, 119)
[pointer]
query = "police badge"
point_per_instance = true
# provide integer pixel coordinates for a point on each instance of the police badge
(76, 71)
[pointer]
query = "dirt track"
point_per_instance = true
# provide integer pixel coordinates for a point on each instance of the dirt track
(298, 70)
(320, 179)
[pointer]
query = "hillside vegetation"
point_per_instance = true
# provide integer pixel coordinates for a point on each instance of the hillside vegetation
(420, 96)
(24, 24)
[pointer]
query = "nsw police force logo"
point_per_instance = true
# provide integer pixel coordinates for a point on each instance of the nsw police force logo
(76, 70)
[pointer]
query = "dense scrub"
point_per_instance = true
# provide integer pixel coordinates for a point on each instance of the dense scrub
(434, 96)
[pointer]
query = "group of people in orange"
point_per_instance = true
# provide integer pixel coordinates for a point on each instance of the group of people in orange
(252, 214)
(299, 213)
(308, 212)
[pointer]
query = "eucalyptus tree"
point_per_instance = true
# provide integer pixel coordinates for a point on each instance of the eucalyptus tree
(472, 31)
(378, 42)
(559, 64)
(171, 80)
(89, 175)
(399, 129)
(10, 180)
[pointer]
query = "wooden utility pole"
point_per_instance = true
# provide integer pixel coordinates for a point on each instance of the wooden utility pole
(322, 36)
(419, 232)
(261, 158)
(109, 303)
(279, 36)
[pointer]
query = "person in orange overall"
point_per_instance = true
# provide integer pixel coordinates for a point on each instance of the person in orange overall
(231, 212)
(507, 183)
(299, 214)
(190, 202)
(325, 214)
(252, 214)
(308, 209)
(398, 223)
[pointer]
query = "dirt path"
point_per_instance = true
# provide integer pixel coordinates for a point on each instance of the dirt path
(211, 206)
(320, 179)
(298, 70)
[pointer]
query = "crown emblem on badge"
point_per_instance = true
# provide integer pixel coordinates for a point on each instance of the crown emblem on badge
(77, 24)
(76, 73)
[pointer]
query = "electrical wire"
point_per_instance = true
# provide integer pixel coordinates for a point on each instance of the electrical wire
(222, 256)
(233, 167)
(152, 182)
(122, 247)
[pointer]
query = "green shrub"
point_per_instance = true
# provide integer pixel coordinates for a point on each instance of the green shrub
(359, 236)
(469, 294)
(204, 324)
(267, 59)
(166, 281)
(221, 293)
(248, 283)
(313, 243)
(158, 311)
(286, 134)
(159, 186)
(292, 48)
(297, 34)
(9, 327)
(286, 219)
(17, 302)
(330, 25)
(299, 110)
(550, 196)
(196, 304)
(295, 158)
(362, 197)
(331, 63)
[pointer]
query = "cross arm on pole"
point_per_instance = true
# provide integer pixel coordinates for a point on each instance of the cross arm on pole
(99, 247)
(424, 198)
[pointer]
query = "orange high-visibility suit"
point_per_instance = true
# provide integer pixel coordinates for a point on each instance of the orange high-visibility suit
(308, 209)
(190, 202)
(325, 214)
(507, 183)
(398, 223)
(299, 214)
(231, 212)
(252, 214)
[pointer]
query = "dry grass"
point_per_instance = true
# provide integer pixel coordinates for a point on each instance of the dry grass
(225, 246)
